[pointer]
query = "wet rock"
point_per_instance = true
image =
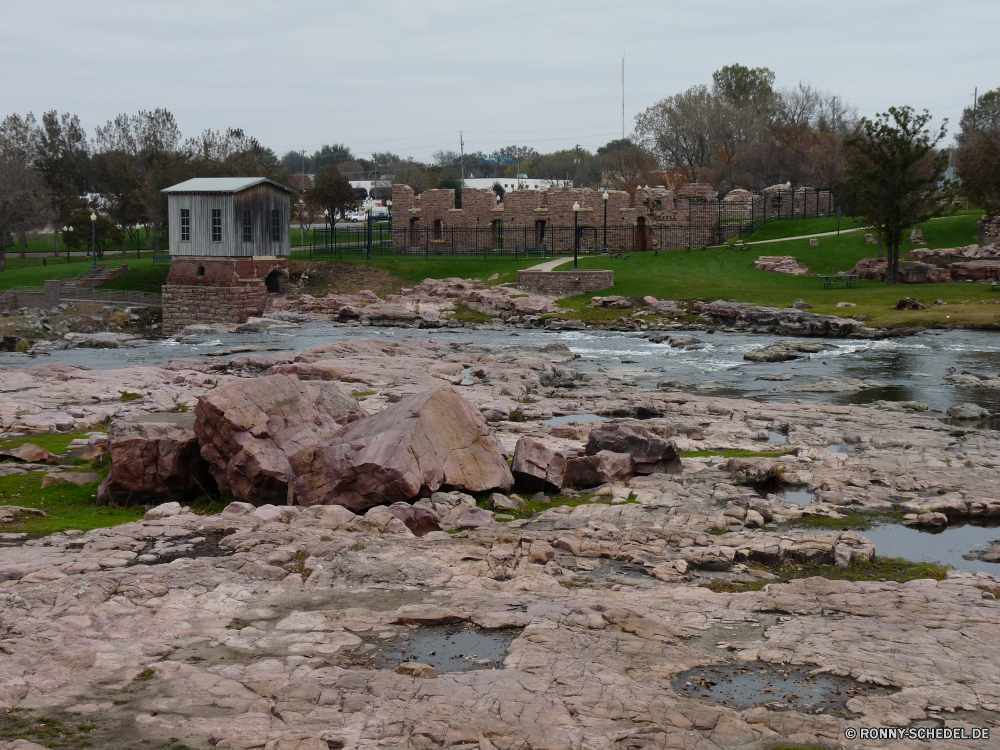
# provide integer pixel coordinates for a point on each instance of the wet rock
(650, 453)
(536, 466)
(249, 428)
(783, 351)
(682, 341)
(779, 320)
(152, 461)
(30, 453)
(431, 439)
(968, 411)
(826, 384)
(598, 468)
(934, 520)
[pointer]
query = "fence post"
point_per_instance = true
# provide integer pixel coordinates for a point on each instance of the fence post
(427, 244)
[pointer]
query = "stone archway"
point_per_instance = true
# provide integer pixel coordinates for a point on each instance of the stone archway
(275, 282)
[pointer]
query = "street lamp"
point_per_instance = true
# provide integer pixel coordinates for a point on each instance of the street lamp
(67, 229)
(576, 235)
(369, 203)
(93, 239)
(326, 227)
(605, 196)
(388, 205)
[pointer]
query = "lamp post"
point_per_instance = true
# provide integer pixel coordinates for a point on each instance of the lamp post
(576, 235)
(388, 205)
(326, 227)
(369, 203)
(67, 229)
(93, 239)
(605, 196)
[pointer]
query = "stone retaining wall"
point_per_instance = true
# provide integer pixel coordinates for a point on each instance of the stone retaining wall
(55, 292)
(565, 282)
(185, 304)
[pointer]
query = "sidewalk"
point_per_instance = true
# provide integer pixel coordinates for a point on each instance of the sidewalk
(549, 265)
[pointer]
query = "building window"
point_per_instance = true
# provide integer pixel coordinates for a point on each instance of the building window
(247, 226)
(276, 225)
(216, 225)
(185, 225)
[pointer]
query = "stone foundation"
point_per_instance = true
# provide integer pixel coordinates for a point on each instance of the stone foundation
(219, 290)
(565, 282)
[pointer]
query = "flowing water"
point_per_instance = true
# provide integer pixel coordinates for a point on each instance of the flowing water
(911, 368)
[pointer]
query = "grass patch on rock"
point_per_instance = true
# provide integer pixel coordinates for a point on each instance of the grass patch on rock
(878, 569)
(530, 508)
(57, 443)
(466, 314)
(66, 505)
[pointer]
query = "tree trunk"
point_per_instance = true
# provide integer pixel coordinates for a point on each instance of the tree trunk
(22, 240)
(3, 256)
(56, 253)
(880, 243)
(894, 263)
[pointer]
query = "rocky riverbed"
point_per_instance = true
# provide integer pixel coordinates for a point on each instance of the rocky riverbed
(469, 620)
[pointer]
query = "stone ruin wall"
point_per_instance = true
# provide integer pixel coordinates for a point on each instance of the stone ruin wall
(687, 217)
(218, 290)
(565, 282)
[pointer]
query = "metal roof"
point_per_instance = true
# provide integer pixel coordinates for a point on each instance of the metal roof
(221, 185)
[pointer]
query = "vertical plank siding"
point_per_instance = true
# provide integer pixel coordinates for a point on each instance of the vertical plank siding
(260, 200)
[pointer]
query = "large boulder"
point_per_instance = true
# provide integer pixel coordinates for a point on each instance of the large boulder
(424, 442)
(250, 427)
(536, 466)
(600, 468)
(153, 462)
(650, 453)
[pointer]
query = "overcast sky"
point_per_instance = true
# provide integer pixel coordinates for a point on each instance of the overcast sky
(407, 75)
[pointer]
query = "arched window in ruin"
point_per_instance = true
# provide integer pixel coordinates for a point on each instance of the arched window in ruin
(640, 233)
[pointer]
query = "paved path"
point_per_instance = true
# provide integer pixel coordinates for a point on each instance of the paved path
(805, 236)
(549, 265)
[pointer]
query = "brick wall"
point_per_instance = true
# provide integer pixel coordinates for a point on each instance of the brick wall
(565, 282)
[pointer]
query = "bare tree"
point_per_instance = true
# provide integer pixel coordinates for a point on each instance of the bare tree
(24, 202)
(678, 130)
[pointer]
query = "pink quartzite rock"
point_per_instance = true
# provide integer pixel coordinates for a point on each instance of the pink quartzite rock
(427, 441)
(651, 453)
(605, 466)
(249, 428)
(537, 466)
(153, 461)
(30, 453)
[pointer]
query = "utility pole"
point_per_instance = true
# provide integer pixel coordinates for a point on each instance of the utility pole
(623, 96)
(461, 149)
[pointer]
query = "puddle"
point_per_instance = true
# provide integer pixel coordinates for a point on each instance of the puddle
(775, 687)
(451, 648)
(570, 418)
(777, 438)
(841, 447)
(796, 496)
(947, 547)
(174, 548)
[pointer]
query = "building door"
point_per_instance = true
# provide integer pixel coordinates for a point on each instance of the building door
(640, 233)
(496, 234)
(414, 238)
(540, 233)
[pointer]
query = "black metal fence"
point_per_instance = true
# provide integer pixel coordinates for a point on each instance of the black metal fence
(697, 223)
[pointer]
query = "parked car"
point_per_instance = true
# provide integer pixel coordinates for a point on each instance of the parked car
(357, 216)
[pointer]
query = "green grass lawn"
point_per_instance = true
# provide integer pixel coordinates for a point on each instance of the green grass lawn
(795, 227)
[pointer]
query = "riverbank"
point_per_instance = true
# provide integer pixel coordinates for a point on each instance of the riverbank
(294, 615)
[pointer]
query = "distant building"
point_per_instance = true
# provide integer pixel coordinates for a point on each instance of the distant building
(516, 183)
(229, 245)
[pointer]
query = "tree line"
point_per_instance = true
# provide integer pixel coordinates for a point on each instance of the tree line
(52, 173)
